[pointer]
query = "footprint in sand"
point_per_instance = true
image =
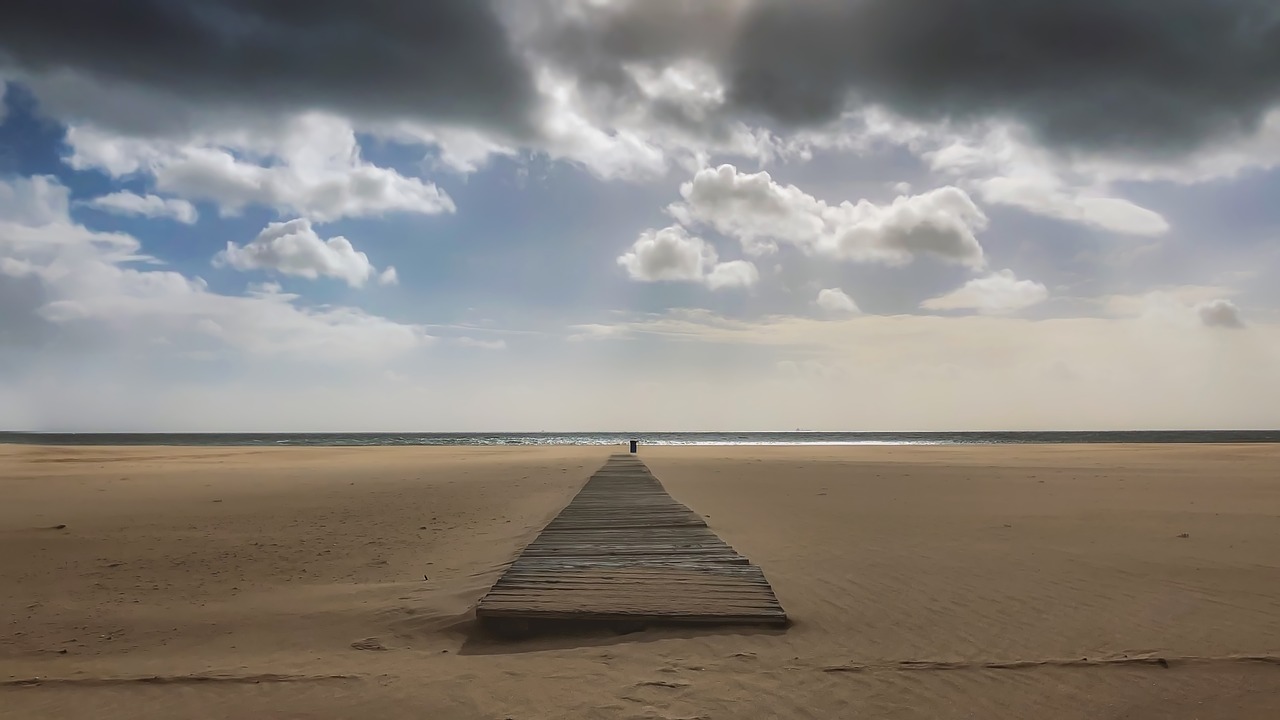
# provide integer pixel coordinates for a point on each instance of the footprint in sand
(369, 644)
(673, 684)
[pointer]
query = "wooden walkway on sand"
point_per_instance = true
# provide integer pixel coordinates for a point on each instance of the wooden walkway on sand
(625, 552)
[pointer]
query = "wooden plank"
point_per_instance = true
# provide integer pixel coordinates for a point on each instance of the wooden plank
(623, 550)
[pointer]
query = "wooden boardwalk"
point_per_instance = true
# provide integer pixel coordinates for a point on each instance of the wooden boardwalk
(624, 551)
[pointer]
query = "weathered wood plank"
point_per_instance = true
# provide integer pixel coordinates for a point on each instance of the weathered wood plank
(625, 550)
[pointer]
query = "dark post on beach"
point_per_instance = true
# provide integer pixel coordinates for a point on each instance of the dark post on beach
(633, 445)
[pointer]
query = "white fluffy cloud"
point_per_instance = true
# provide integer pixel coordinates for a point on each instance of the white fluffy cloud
(673, 255)
(1001, 165)
(86, 286)
(1220, 313)
(1164, 300)
(310, 166)
(151, 206)
(999, 292)
(481, 344)
(30, 203)
(1049, 199)
(1005, 168)
(760, 213)
(460, 149)
(668, 254)
(571, 133)
(672, 116)
(1184, 306)
(835, 300)
(596, 331)
(294, 248)
(1077, 187)
(734, 273)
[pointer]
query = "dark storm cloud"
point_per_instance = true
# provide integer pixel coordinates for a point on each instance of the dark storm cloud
(431, 59)
(1093, 73)
(1154, 75)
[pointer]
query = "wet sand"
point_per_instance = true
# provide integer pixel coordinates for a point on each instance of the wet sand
(924, 582)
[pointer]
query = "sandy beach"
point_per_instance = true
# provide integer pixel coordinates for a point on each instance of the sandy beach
(923, 582)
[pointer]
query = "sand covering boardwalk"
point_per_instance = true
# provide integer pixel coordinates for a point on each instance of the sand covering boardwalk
(625, 550)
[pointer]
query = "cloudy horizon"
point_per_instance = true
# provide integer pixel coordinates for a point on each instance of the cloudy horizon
(467, 215)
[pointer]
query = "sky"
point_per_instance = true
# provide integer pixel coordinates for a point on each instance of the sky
(523, 215)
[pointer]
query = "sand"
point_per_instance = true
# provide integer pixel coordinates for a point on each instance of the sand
(1010, 582)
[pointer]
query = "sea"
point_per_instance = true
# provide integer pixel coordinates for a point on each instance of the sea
(800, 437)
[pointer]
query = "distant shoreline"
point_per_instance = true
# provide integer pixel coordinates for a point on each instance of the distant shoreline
(789, 438)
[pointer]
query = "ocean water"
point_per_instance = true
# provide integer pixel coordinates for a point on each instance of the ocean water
(645, 438)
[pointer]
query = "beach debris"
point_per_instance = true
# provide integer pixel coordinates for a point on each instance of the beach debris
(57, 527)
(1184, 536)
